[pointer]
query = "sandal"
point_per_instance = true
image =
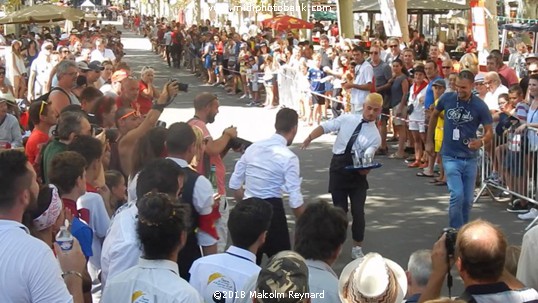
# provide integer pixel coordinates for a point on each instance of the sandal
(422, 174)
(414, 164)
(440, 183)
(396, 156)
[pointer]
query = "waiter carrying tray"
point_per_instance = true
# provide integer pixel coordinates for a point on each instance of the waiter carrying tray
(266, 169)
(357, 133)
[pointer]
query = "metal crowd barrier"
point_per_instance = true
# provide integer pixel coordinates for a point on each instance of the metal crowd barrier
(509, 164)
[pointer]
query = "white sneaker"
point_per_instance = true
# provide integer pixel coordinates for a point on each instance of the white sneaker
(243, 96)
(356, 252)
(531, 215)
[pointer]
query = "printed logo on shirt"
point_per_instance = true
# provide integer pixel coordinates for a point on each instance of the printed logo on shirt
(139, 297)
(459, 115)
(219, 288)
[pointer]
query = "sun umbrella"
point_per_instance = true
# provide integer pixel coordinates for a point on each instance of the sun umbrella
(286, 22)
(42, 14)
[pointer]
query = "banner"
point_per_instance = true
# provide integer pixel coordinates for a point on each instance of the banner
(390, 21)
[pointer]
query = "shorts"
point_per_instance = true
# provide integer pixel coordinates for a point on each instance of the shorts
(514, 163)
(225, 67)
(220, 59)
(254, 86)
(316, 99)
(268, 82)
(207, 62)
(417, 126)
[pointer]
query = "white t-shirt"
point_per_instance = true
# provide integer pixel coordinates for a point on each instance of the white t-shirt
(28, 270)
(101, 56)
(492, 99)
(364, 74)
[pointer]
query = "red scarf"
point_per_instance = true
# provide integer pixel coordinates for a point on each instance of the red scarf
(418, 89)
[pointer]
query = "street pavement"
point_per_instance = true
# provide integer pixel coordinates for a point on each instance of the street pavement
(403, 212)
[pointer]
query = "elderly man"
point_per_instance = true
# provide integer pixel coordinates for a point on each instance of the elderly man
(479, 254)
(492, 81)
(10, 132)
(418, 273)
(61, 95)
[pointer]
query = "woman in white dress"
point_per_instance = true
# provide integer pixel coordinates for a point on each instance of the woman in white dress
(16, 69)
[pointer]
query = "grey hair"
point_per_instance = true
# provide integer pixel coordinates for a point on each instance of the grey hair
(420, 266)
(64, 66)
(68, 123)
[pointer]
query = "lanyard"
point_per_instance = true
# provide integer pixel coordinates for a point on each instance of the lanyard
(238, 256)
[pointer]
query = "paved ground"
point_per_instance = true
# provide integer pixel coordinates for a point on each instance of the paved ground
(403, 212)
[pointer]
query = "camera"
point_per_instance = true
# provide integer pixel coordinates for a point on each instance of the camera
(161, 124)
(450, 240)
(238, 144)
(182, 87)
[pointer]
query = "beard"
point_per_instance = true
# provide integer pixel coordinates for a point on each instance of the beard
(210, 118)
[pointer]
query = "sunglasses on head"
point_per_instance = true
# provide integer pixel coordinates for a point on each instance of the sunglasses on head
(43, 104)
(134, 113)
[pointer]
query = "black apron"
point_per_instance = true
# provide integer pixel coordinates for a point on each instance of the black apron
(341, 178)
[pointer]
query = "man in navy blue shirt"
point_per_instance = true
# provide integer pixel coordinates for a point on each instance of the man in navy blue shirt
(464, 112)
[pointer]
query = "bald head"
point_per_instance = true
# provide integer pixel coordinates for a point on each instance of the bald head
(481, 251)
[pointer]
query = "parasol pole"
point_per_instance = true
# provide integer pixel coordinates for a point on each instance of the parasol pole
(345, 18)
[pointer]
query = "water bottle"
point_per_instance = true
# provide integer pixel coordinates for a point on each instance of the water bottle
(213, 177)
(64, 238)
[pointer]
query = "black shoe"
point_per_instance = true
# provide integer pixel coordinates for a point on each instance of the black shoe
(409, 150)
(517, 207)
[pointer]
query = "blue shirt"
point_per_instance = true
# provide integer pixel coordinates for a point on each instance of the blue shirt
(466, 116)
(84, 235)
(314, 76)
(429, 99)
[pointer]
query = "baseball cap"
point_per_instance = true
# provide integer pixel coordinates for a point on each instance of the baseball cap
(285, 273)
(372, 277)
(119, 75)
(82, 65)
(479, 78)
(64, 36)
(439, 82)
(96, 66)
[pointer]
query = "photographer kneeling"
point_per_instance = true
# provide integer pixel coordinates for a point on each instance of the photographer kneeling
(479, 255)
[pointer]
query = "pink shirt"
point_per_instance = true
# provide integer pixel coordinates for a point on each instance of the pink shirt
(509, 74)
(214, 160)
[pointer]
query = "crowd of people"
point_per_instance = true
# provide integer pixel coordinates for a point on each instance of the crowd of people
(147, 205)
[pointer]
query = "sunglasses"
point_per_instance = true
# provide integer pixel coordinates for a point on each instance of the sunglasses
(65, 51)
(43, 104)
(447, 67)
(134, 113)
(533, 71)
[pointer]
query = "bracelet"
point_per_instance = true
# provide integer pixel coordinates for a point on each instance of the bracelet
(159, 107)
(71, 272)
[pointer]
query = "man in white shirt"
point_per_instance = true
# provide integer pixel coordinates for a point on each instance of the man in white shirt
(101, 52)
(161, 226)
(10, 131)
(363, 83)
(168, 44)
(28, 270)
(266, 169)
(198, 193)
(357, 135)
(228, 272)
(319, 235)
(527, 269)
(493, 83)
(121, 248)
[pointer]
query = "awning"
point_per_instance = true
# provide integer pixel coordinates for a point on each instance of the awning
(413, 6)
(42, 14)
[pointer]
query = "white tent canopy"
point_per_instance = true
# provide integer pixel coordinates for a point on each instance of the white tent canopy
(87, 4)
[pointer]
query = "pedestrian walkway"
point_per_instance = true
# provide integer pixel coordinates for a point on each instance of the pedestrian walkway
(403, 213)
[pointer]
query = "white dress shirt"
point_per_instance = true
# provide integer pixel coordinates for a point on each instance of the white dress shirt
(268, 168)
(322, 280)
(28, 270)
(150, 281)
(202, 200)
(121, 248)
(368, 139)
(225, 272)
(364, 74)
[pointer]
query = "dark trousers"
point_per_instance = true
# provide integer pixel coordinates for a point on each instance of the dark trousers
(336, 108)
(278, 236)
(168, 51)
(357, 195)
